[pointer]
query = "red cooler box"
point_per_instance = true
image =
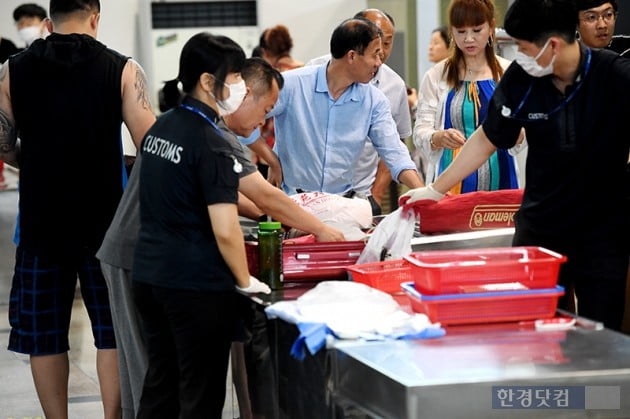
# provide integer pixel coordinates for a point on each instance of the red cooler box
(311, 261)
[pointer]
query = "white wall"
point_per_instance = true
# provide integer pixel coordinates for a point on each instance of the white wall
(310, 24)
(116, 30)
(428, 16)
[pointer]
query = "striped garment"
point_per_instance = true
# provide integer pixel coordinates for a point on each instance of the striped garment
(466, 108)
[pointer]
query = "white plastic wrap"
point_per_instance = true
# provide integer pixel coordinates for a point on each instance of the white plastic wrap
(351, 310)
(392, 236)
(349, 215)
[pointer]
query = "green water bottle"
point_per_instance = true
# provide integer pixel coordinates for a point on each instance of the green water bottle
(270, 253)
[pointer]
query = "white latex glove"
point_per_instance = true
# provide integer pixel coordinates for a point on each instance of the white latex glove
(255, 286)
(418, 194)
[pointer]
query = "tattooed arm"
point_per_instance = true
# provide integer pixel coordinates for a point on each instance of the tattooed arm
(137, 111)
(9, 147)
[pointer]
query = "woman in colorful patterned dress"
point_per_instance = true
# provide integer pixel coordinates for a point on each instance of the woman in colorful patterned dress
(454, 96)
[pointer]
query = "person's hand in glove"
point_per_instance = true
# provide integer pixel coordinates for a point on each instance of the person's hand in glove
(419, 194)
(255, 286)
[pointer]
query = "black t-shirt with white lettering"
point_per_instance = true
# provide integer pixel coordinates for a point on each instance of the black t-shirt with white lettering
(576, 180)
(186, 166)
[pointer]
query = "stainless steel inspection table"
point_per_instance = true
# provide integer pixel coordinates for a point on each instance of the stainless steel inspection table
(449, 377)
(453, 377)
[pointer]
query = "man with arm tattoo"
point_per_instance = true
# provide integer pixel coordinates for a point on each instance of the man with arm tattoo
(72, 137)
(8, 138)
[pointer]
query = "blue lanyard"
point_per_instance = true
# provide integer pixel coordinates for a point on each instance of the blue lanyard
(536, 116)
(238, 167)
(203, 115)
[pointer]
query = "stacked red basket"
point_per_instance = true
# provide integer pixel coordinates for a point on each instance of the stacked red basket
(473, 285)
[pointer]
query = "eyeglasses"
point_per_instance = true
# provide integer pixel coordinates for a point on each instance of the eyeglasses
(591, 18)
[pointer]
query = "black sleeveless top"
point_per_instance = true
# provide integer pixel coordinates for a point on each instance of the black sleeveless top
(67, 103)
(7, 49)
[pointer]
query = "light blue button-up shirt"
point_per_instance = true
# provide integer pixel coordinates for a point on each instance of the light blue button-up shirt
(318, 139)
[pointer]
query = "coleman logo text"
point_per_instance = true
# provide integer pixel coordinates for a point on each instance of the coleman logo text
(493, 216)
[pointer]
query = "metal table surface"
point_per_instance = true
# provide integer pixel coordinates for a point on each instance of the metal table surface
(449, 377)
(452, 377)
(500, 237)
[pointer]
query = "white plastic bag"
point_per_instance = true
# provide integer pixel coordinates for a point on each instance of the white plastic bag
(391, 237)
(349, 215)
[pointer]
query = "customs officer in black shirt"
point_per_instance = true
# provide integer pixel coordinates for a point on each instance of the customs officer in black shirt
(574, 105)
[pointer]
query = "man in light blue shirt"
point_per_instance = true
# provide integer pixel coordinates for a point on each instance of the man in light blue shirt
(371, 176)
(326, 113)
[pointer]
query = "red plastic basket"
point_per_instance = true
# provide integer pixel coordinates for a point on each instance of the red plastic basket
(461, 271)
(487, 307)
(385, 276)
(311, 261)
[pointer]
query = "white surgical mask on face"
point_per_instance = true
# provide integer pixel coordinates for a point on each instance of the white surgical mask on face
(530, 64)
(237, 95)
(29, 34)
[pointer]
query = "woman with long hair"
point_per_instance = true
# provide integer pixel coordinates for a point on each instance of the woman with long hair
(454, 96)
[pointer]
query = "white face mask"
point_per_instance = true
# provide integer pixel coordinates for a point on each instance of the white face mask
(530, 64)
(237, 95)
(30, 34)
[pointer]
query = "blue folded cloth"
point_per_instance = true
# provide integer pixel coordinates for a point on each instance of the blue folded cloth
(312, 338)
(428, 333)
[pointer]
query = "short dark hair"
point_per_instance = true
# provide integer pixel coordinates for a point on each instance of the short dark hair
(589, 4)
(261, 40)
(29, 10)
(206, 53)
(259, 76)
(353, 34)
(256, 52)
(443, 31)
(536, 20)
(59, 8)
(170, 95)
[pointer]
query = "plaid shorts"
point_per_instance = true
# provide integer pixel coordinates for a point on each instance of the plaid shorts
(41, 300)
